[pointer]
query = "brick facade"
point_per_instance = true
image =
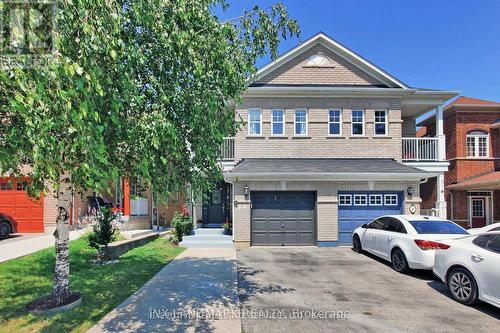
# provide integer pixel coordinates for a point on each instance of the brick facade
(458, 121)
(318, 143)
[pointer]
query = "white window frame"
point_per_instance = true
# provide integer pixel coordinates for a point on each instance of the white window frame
(340, 122)
(283, 122)
(390, 197)
(483, 200)
(380, 196)
(260, 117)
(475, 135)
(295, 122)
(375, 122)
(343, 197)
(357, 122)
(356, 196)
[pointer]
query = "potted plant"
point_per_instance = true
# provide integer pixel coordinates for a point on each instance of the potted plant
(228, 227)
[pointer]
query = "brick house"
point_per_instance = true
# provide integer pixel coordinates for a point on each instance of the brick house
(472, 183)
(327, 143)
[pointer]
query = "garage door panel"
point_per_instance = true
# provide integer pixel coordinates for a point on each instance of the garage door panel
(352, 216)
(274, 225)
(289, 218)
(25, 213)
(306, 238)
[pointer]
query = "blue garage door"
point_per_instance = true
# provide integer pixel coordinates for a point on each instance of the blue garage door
(356, 208)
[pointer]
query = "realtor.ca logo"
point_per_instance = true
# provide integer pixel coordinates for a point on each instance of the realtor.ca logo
(26, 32)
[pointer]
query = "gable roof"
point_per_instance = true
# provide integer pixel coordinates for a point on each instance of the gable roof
(340, 50)
(464, 100)
(463, 103)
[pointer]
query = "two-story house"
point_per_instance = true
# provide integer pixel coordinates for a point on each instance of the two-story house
(473, 150)
(327, 143)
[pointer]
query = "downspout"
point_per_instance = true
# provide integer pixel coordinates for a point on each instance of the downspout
(452, 217)
(232, 206)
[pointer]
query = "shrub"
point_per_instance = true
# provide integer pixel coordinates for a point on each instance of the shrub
(181, 226)
(103, 232)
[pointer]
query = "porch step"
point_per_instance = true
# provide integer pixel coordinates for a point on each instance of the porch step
(211, 225)
(207, 238)
(209, 231)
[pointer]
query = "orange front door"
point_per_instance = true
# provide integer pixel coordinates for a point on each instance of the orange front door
(25, 213)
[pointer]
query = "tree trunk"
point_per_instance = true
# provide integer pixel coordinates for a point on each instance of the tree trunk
(60, 290)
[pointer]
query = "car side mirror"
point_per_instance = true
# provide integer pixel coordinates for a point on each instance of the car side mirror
(364, 226)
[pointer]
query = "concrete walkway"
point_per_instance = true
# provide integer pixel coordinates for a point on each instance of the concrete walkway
(196, 292)
(21, 245)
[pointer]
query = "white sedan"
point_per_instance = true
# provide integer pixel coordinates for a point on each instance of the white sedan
(407, 241)
(488, 228)
(470, 267)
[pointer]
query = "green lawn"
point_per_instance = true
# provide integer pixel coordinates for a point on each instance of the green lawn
(103, 287)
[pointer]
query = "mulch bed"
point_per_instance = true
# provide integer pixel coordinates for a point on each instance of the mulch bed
(48, 303)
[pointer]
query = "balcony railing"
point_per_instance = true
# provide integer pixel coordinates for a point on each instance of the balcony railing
(227, 149)
(421, 149)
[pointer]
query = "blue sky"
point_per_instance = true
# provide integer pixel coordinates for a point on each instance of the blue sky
(437, 44)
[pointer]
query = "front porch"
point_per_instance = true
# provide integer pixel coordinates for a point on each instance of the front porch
(427, 153)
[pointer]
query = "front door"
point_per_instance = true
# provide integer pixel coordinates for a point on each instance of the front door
(478, 211)
(215, 207)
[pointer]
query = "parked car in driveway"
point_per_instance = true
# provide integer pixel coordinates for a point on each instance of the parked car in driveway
(6, 227)
(407, 241)
(470, 267)
(490, 227)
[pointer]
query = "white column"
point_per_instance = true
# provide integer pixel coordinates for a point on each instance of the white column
(440, 134)
(440, 203)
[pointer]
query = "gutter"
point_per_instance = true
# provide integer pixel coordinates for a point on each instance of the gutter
(309, 91)
(327, 176)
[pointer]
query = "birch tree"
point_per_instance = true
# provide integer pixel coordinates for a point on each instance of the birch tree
(134, 88)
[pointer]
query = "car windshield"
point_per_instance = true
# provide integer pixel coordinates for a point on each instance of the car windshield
(437, 227)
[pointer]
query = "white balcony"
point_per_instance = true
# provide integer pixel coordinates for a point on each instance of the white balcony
(227, 154)
(425, 153)
(227, 149)
(421, 149)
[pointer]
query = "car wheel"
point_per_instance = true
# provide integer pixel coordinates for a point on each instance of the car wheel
(462, 286)
(356, 244)
(5, 229)
(399, 262)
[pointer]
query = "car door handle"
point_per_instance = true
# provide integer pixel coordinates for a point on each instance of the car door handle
(477, 257)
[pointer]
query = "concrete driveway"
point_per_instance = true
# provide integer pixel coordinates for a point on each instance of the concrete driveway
(295, 282)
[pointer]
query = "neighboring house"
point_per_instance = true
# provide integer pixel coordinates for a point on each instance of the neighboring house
(327, 143)
(472, 128)
(35, 216)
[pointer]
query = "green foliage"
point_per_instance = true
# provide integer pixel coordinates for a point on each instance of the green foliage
(104, 286)
(129, 92)
(182, 225)
(103, 232)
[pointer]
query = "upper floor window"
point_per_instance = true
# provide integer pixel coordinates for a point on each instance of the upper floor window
(358, 122)
(477, 144)
(380, 122)
(300, 122)
(278, 122)
(254, 122)
(334, 122)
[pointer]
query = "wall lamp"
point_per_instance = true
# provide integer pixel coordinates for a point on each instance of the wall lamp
(410, 191)
(246, 191)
